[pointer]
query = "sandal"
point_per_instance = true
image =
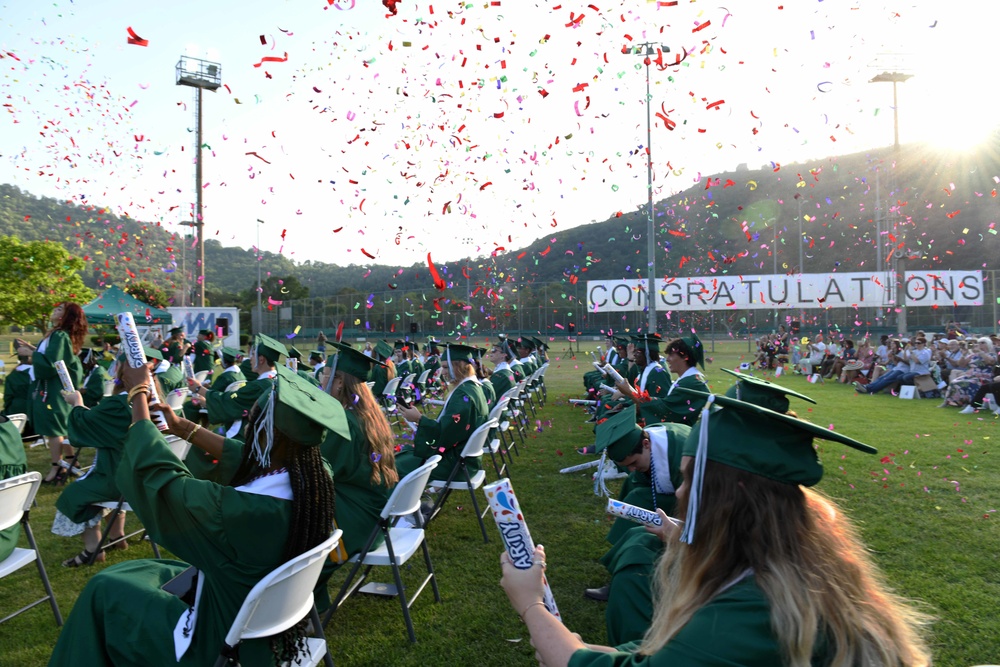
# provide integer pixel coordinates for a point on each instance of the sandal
(59, 478)
(83, 558)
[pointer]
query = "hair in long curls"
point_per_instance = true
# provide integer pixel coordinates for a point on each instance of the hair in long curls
(312, 510)
(359, 399)
(74, 323)
(822, 586)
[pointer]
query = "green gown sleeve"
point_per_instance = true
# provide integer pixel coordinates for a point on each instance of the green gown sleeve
(676, 407)
(452, 428)
(228, 407)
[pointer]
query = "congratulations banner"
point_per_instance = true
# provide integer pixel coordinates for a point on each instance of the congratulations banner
(808, 290)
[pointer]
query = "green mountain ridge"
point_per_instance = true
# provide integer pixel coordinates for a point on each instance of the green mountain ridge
(941, 205)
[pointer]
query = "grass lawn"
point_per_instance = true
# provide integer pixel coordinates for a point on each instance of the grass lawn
(926, 507)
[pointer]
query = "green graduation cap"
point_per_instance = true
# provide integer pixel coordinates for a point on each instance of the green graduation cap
(398, 345)
(267, 347)
(175, 330)
(205, 332)
(648, 342)
(620, 341)
(762, 392)
(294, 353)
(525, 342)
(298, 410)
(228, 354)
(539, 344)
(755, 439)
(691, 346)
(352, 362)
(618, 434)
(315, 354)
(459, 352)
(383, 349)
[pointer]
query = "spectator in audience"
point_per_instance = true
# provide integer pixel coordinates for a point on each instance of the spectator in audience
(985, 399)
(860, 367)
(817, 352)
(885, 357)
(893, 377)
(979, 371)
(954, 357)
(848, 353)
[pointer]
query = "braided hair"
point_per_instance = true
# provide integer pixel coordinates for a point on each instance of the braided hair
(312, 510)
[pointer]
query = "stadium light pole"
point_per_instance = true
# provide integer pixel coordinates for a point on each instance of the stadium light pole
(200, 75)
(647, 50)
(899, 255)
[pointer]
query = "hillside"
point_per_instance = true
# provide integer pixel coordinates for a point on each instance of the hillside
(945, 204)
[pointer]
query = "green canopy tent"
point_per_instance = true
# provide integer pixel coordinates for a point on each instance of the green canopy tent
(103, 309)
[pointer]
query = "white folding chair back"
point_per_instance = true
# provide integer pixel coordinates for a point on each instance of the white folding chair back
(282, 599)
(109, 387)
(422, 380)
(178, 446)
(410, 378)
(175, 398)
(201, 376)
(399, 544)
(390, 389)
(16, 497)
(461, 479)
(20, 420)
(405, 498)
(233, 386)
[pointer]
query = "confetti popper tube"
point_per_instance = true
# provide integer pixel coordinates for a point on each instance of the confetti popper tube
(608, 389)
(583, 466)
(63, 373)
(633, 513)
(598, 367)
(188, 369)
(293, 365)
(582, 401)
(615, 375)
(135, 356)
(514, 532)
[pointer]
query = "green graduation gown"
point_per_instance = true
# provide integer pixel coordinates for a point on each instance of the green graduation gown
(463, 412)
(172, 378)
(17, 395)
(357, 501)
(13, 462)
(489, 393)
(49, 411)
(502, 381)
(380, 376)
(631, 563)
(104, 427)
(226, 378)
(678, 407)
(234, 538)
(733, 629)
(204, 360)
(173, 351)
(93, 386)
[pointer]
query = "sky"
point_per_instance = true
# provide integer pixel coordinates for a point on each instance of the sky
(359, 136)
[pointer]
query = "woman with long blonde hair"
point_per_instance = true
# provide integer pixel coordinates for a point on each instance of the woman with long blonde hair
(764, 572)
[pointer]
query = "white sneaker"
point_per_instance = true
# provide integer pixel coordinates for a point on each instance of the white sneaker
(967, 410)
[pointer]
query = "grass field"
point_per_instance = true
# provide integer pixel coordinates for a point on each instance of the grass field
(926, 507)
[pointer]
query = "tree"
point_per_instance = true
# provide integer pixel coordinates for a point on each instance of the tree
(148, 293)
(36, 276)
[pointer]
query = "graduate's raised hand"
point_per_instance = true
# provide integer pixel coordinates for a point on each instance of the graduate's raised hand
(133, 377)
(175, 425)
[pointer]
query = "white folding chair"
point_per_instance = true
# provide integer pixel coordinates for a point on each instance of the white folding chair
(234, 386)
(179, 446)
(399, 544)
(201, 376)
(279, 601)
(388, 401)
(19, 420)
(16, 497)
(496, 442)
(473, 448)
